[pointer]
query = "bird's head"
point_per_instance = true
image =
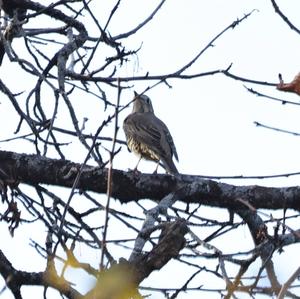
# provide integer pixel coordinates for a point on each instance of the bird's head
(141, 104)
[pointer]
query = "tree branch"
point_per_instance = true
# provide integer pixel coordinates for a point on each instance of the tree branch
(127, 186)
(15, 279)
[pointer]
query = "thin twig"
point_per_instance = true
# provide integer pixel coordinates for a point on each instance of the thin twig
(133, 31)
(109, 178)
(286, 285)
(276, 129)
(285, 18)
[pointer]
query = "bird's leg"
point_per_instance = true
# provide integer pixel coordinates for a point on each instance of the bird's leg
(135, 170)
(155, 171)
(136, 167)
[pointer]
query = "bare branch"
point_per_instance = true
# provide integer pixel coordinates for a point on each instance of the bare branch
(284, 17)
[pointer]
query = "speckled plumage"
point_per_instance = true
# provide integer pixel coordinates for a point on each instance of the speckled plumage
(148, 136)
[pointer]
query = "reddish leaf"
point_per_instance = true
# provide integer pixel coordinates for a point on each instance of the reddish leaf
(294, 86)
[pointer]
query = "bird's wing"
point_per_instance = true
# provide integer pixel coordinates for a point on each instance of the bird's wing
(141, 128)
(150, 130)
(170, 141)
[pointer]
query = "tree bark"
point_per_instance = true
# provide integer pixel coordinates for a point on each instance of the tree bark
(129, 186)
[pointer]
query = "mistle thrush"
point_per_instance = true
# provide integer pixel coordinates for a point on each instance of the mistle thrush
(148, 136)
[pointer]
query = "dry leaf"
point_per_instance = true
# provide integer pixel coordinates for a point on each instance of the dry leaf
(294, 86)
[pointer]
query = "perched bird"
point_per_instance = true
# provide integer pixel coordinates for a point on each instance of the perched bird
(148, 136)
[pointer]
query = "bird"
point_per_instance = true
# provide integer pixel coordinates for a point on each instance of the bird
(148, 136)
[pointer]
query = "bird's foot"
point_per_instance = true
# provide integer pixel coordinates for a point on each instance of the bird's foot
(134, 171)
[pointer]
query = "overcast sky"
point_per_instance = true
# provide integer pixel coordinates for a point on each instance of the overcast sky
(210, 118)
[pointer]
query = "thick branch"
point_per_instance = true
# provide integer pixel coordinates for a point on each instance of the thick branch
(15, 279)
(171, 242)
(128, 186)
(122, 279)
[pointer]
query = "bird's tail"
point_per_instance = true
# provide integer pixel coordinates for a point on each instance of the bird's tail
(169, 166)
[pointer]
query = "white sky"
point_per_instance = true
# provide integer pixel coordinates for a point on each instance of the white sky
(210, 118)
